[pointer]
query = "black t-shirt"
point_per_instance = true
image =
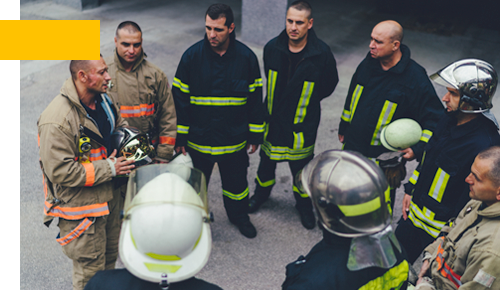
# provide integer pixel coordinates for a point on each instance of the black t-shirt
(295, 58)
(102, 120)
(122, 279)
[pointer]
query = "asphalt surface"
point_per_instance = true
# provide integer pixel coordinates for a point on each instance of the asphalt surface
(169, 28)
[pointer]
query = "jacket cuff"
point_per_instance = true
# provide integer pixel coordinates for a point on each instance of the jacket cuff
(343, 127)
(409, 188)
(418, 150)
(181, 140)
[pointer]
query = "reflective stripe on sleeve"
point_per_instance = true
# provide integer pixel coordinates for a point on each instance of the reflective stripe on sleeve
(90, 173)
(181, 129)
(217, 150)
(137, 111)
(305, 97)
(414, 177)
(348, 115)
(424, 219)
(75, 233)
(256, 128)
(167, 140)
(392, 279)
(271, 86)
(98, 154)
(256, 84)
(180, 85)
(426, 135)
(236, 196)
(385, 118)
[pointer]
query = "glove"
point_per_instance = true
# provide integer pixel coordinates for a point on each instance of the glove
(394, 167)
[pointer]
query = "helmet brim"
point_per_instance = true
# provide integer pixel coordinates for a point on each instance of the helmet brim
(149, 269)
(384, 142)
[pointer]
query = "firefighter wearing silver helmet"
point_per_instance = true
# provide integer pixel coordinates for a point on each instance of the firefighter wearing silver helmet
(437, 190)
(165, 237)
(359, 249)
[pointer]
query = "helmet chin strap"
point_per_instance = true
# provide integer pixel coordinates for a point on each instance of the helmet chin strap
(164, 283)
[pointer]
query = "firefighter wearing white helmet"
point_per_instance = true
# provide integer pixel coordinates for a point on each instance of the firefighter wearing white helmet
(437, 190)
(165, 237)
(359, 249)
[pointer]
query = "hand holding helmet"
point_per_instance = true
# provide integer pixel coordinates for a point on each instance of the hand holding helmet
(120, 165)
(130, 144)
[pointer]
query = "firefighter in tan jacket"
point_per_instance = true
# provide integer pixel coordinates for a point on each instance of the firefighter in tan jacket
(467, 253)
(141, 91)
(77, 168)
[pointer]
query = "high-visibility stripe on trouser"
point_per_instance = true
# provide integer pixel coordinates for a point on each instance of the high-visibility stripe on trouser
(392, 279)
(385, 118)
(302, 194)
(78, 231)
(424, 219)
(236, 196)
(265, 183)
(445, 269)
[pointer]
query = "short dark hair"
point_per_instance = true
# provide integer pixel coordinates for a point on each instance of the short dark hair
(302, 5)
(131, 27)
(492, 154)
(76, 65)
(216, 11)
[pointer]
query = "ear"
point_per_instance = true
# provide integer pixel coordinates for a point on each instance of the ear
(82, 76)
(231, 27)
(396, 45)
(116, 41)
(498, 193)
(310, 24)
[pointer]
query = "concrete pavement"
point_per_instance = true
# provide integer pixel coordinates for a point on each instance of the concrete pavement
(169, 28)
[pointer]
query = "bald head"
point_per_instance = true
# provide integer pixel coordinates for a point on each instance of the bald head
(392, 29)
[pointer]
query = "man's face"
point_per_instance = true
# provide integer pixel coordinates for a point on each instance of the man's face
(97, 76)
(451, 99)
(217, 31)
(297, 24)
(481, 187)
(381, 44)
(128, 45)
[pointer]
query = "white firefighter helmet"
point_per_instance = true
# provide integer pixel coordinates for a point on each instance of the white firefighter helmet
(401, 134)
(165, 234)
(349, 193)
(180, 158)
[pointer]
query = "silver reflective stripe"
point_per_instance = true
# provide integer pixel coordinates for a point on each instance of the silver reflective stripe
(307, 90)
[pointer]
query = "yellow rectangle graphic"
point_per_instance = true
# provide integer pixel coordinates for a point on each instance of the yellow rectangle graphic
(50, 39)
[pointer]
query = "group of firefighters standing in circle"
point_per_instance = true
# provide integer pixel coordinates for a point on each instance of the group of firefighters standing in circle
(111, 117)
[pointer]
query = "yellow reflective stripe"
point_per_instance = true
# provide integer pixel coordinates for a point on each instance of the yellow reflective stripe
(346, 116)
(267, 183)
(302, 194)
(256, 128)
(388, 200)
(218, 101)
(257, 83)
(238, 196)
(360, 209)
(217, 150)
(414, 177)
(426, 135)
(439, 184)
(393, 279)
(285, 153)
(298, 140)
(180, 85)
(354, 100)
(271, 86)
(181, 129)
(385, 118)
(424, 219)
(162, 268)
(305, 97)
(163, 257)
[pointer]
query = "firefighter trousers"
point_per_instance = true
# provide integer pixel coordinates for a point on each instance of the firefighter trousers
(266, 178)
(233, 174)
(96, 248)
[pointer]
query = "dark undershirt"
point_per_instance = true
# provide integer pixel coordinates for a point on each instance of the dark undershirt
(99, 115)
(295, 58)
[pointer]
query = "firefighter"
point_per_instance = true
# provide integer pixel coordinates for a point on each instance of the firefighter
(359, 249)
(437, 190)
(218, 97)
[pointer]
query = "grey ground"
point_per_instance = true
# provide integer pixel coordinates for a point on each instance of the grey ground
(169, 28)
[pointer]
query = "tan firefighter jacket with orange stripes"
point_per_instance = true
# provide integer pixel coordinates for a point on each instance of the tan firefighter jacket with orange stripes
(76, 185)
(468, 256)
(145, 100)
